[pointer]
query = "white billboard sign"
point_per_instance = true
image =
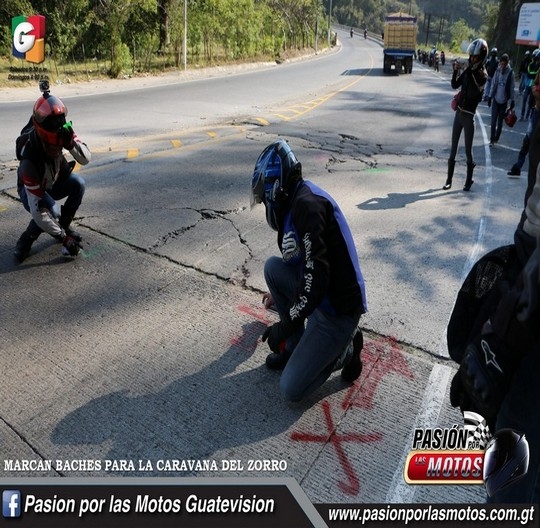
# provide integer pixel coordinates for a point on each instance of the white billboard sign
(528, 29)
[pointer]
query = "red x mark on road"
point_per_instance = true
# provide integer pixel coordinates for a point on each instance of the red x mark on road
(385, 356)
(352, 486)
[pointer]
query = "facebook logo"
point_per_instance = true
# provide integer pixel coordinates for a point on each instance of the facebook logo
(11, 503)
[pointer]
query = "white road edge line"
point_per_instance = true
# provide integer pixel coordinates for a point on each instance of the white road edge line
(428, 416)
(478, 247)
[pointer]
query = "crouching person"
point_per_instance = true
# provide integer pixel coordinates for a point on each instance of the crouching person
(316, 285)
(44, 176)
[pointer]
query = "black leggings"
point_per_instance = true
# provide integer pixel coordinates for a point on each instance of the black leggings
(462, 121)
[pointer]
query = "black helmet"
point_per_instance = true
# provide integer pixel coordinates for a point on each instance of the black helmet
(478, 48)
(275, 173)
(506, 460)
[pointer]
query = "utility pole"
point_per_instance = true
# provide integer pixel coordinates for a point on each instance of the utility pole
(329, 22)
(441, 29)
(427, 28)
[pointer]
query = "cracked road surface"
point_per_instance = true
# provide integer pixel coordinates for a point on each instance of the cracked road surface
(147, 347)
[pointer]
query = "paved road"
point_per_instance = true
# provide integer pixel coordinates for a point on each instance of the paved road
(147, 346)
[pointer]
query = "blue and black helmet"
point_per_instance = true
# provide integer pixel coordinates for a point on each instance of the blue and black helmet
(276, 170)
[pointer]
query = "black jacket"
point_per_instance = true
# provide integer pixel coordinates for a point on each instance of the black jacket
(471, 82)
(317, 240)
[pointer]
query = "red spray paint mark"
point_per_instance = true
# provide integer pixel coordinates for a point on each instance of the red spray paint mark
(251, 332)
(384, 356)
(260, 314)
(352, 485)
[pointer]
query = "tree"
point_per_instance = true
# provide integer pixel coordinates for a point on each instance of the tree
(164, 12)
(460, 32)
(503, 34)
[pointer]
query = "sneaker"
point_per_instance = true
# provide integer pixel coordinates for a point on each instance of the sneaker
(277, 361)
(351, 371)
(514, 172)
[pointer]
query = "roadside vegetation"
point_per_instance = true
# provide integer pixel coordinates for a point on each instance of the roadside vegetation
(127, 37)
(117, 38)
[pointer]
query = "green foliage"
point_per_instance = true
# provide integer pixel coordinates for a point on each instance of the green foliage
(131, 35)
(436, 18)
(460, 32)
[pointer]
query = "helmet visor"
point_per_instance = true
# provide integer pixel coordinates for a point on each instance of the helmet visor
(266, 177)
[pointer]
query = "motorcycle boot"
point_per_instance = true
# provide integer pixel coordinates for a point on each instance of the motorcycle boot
(448, 184)
(24, 244)
(352, 370)
(469, 181)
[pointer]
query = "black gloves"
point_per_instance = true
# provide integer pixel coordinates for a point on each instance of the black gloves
(484, 376)
(71, 246)
(278, 333)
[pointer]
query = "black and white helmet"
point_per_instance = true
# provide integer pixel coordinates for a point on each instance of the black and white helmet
(478, 48)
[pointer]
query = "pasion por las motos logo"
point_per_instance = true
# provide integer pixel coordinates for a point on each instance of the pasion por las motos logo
(28, 37)
(449, 456)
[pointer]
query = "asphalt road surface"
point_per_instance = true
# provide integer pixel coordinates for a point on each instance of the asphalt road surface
(147, 347)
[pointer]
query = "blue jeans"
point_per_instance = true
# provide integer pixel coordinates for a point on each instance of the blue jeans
(526, 140)
(519, 411)
(522, 82)
(525, 108)
(325, 344)
(72, 187)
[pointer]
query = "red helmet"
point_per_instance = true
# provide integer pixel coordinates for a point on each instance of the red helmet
(49, 117)
(510, 118)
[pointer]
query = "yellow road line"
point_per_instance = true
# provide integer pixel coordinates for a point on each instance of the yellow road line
(311, 105)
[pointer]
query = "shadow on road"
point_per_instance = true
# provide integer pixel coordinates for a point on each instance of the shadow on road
(194, 417)
(398, 200)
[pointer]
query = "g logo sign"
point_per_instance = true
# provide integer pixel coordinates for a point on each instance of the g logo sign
(29, 38)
